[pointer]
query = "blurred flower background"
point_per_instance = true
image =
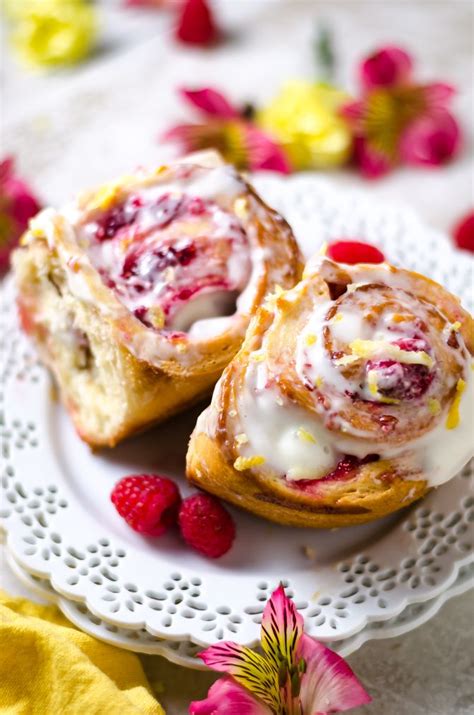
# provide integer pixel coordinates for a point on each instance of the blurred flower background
(277, 86)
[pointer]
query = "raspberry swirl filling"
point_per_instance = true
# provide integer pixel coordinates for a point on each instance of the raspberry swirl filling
(171, 258)
(369, 349)
(372, 373)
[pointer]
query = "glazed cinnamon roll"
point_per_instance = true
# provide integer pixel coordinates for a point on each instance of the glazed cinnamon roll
(351, 397)
(139, 294)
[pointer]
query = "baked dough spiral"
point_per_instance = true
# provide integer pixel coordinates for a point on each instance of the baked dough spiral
(139, 293)
(350, 398)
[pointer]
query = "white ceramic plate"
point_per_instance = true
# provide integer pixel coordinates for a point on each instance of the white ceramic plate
(62, 527)
(184, 652)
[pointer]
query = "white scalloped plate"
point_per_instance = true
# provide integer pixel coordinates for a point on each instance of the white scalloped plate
(61, 525)
(184, 652)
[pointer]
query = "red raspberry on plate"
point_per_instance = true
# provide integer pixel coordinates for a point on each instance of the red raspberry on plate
(354, 252)
(464, 232)
(148, 503)
(206, 525)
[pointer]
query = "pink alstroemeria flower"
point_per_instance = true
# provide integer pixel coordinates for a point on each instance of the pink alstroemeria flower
(397, 120)
(294, 675)
(230, 131)
(17, 206)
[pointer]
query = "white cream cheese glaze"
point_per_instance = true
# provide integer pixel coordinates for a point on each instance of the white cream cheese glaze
(294, 442)
(274, 430)
(168, 246)
(209, 315)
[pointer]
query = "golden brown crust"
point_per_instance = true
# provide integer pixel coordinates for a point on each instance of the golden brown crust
(368, 489)
(356, 501)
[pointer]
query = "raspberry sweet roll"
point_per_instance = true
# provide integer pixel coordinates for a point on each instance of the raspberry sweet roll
(351, 397)
(139, 294)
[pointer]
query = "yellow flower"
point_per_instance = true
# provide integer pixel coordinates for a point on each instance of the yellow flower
(53, 32)
(304, 118)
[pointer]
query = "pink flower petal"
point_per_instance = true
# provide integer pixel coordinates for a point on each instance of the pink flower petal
(263, 152)
(250, 669)
(23, 204)
(353, 111)
(387, 67)
(6, 168)
(437, 94)
(188, 136)
(328, 685)
(282, 627)
(17, 206)
(371, 163)
(211, 102)
(431, 140)
(227, 697)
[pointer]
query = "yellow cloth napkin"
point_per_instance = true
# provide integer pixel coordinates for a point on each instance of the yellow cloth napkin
(49, 667)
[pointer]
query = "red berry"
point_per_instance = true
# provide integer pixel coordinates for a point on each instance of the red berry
(354, 252)
(464, 232)
(206, 525)
(196, 24)
(147, 502)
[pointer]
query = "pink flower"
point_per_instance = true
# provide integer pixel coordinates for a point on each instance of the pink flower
(293, 674)
(397, 120)
(17, 206)
(387, 67)
(227, 129)
(369, 161)
(431, 139)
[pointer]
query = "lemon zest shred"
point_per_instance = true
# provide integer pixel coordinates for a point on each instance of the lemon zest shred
(105, 196)
(241, 208)
(346, 360)
(157, 317)
(453, 418)
(372, 383)
(371, 348)
(434, 406)
(310, 339)
(305, 436)
(374, 389)
(257, 356)
(243, 463)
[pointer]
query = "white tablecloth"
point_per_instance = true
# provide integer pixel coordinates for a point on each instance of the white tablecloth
(81, 126)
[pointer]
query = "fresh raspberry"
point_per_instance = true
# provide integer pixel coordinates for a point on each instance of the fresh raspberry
(464, 232)
(147, 502)
(354, 252)
(206, 525)
(196, 25)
